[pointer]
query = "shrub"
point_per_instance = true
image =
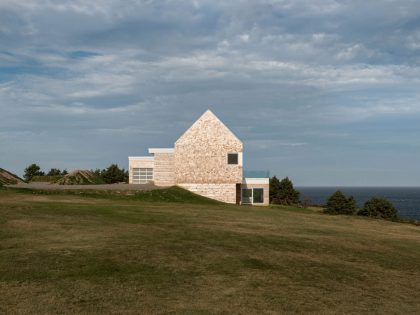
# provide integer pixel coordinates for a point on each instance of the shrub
(31, 171)
(378, 207)
(282, 192)
(338, 203)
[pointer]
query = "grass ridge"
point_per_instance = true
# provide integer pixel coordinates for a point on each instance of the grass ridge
(171, 194)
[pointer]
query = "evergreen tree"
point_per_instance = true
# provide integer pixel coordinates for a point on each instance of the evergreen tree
(283, 192)
(113, 174)
(352, 209)
(54, 172)
(31, 171)
(274, 188)
(378, 207)
(64, 172)
(338, 203)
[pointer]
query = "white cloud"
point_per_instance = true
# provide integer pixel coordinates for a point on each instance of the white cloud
(262, 144)
(353, 52)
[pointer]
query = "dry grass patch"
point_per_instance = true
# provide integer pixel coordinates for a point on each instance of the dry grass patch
(64, 254)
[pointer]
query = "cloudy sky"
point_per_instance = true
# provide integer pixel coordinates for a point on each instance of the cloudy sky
(325, 92)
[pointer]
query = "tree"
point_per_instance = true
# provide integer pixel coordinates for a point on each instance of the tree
(31, 171)
(54, 172)
(338, 203)
(64, 172)
(282, 192)
(352, 205)
(274, 188)
(378, 207)
(113, 174)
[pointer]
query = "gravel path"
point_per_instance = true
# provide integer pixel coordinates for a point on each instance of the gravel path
(41, 185)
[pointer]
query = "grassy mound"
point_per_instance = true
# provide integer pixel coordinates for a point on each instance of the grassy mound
(171, 194)
(80, 177)
(7, 178)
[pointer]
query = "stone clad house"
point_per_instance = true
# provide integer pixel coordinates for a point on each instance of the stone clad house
(207, 160)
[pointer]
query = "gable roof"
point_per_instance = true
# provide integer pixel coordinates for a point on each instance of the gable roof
(205, 126)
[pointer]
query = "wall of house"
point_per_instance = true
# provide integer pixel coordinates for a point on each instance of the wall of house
(146, 162)
(163, 172)
(266, 188)
(200, 154)
(221, 192)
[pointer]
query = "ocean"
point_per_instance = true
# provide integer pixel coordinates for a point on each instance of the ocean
(405, 199)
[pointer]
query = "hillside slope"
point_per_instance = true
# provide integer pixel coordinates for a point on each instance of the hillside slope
(7, 178)
(81, 254)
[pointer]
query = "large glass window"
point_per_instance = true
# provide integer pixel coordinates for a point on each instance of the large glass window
(232, 158)
(252, 195)
(258, 195)
(142, 175)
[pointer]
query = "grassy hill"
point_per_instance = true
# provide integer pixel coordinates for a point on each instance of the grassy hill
(172, 194)
(96, 253)
(7, 178)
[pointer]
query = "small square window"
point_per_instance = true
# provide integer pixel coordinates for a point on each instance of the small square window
(232, 158)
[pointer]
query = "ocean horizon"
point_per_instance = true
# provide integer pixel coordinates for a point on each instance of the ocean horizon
(405, 199)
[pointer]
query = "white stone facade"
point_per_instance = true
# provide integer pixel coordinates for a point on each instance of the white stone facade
(206, 159)
(201, 153)
(164, 174)
(137, 162)
(222, 192)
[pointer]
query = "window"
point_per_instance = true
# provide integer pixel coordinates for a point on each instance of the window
(258, 195)
(252, 195)
(232, 158)
(246, 195)
(142, 175)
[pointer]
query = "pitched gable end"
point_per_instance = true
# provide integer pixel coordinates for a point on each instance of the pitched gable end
(208, 126)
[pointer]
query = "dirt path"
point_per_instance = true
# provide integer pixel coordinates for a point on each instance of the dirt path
(41, 185)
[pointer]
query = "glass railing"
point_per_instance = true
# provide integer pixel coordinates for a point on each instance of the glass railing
(256, 174)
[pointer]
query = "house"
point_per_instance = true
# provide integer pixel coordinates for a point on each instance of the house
(207, 160)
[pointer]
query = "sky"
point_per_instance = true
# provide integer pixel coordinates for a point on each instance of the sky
(325, 92)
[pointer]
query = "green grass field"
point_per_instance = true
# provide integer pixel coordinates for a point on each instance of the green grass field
(171, 252)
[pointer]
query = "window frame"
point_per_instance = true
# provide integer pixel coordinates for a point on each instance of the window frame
(236, 160)
(250, 200)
